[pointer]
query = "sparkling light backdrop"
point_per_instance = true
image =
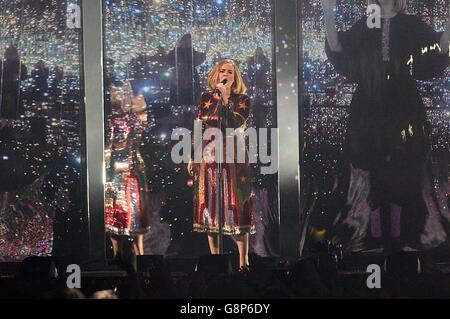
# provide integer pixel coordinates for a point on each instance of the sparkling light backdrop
(40, 153)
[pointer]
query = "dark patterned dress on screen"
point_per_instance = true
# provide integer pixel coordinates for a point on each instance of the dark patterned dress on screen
(388, 134)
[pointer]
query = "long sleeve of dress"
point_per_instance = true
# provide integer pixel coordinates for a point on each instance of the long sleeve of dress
(346, 61)
(429, 61)
(241, 112)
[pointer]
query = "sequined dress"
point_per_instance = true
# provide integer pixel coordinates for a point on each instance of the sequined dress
(127, 209)
(237, 198)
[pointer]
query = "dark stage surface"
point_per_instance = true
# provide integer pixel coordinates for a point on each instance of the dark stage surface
(402, 275)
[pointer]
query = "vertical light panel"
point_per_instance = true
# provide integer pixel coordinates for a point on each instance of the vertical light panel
(286, 64)
(93, 75)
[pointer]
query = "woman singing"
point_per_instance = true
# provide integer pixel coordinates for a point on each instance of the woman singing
(127, 209)
(388, 134)
(237, 200)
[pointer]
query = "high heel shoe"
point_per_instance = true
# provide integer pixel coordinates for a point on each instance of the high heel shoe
(244, 270)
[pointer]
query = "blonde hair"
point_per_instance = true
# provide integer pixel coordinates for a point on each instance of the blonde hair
(399, 7)
(238, 86)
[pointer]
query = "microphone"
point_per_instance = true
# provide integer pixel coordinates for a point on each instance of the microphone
(217, 90)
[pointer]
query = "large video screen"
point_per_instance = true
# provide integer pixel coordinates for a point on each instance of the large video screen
(376, 127)
(41, 144)
(158, 55)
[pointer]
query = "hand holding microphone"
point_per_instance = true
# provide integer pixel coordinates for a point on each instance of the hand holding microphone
(221, 88)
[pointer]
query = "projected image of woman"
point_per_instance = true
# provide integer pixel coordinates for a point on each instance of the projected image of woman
(127, 206)
(388, 133)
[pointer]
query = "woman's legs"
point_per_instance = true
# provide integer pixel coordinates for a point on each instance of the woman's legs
(115, 246)
(139, 245)
(242, 242)
(375, 223)
(213, 240)
(396, 211)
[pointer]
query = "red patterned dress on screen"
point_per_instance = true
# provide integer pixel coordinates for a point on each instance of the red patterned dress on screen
(126, 191)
